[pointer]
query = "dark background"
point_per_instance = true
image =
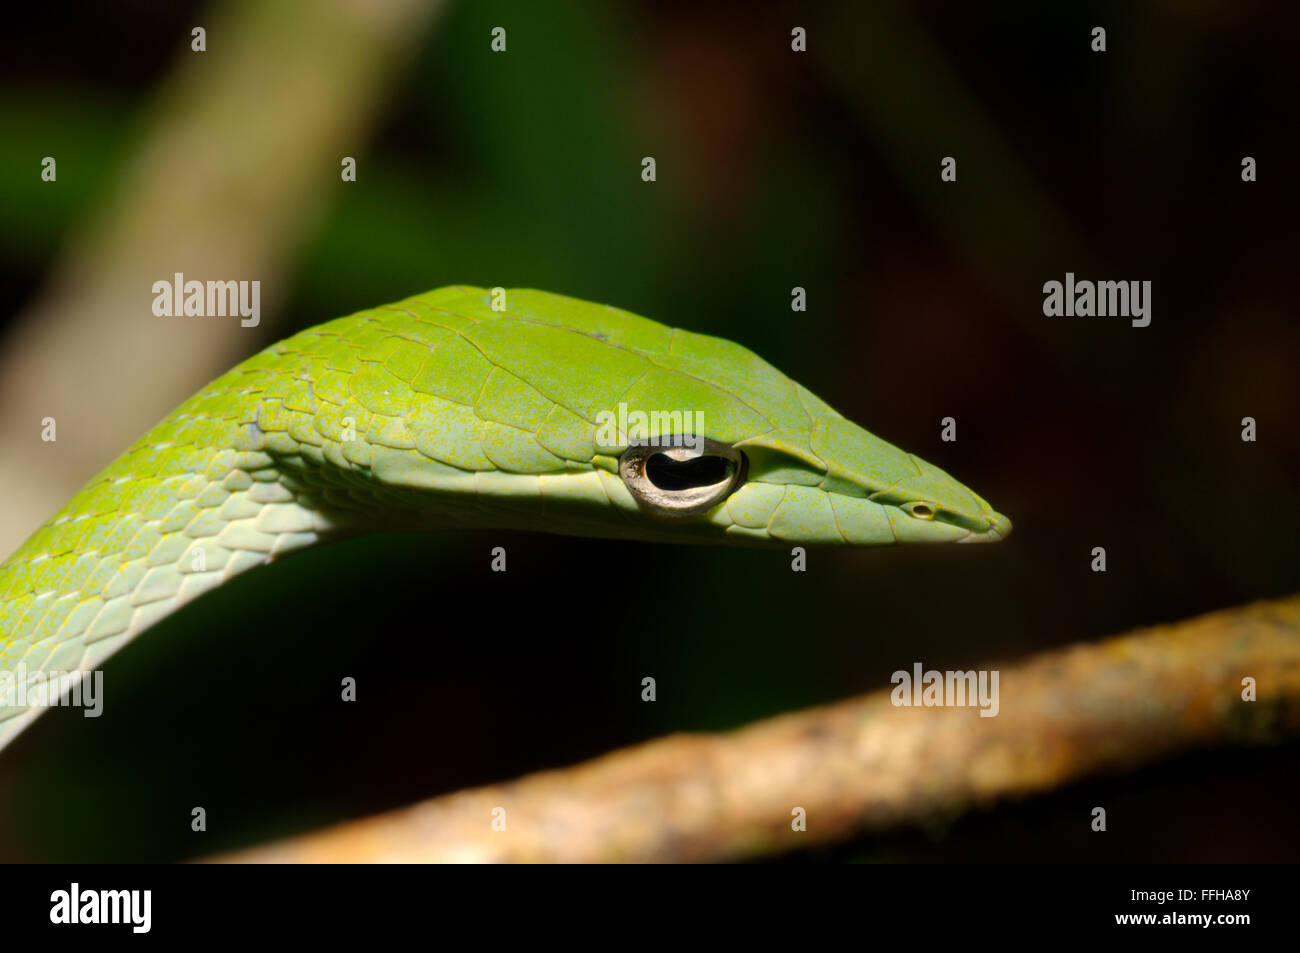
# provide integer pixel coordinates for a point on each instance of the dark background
(775, 169)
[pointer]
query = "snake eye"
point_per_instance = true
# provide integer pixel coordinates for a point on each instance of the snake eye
(681, 481)
(922, 511)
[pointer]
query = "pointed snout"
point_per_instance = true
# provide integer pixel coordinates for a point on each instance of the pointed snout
(959, 504)
(998, 530)
(873, 493)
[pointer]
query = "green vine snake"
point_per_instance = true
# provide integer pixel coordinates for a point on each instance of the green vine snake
(444, 411)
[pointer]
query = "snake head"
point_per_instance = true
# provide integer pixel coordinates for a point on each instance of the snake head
(529, 410)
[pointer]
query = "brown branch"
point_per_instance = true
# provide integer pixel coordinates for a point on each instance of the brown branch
(864, 764)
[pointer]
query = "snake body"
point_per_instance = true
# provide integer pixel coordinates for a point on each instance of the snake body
(449, 409)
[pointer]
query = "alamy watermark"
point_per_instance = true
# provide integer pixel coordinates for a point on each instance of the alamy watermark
(181, 298)
(655, 428)
(935, 689)
(1102, 299)
(133, 908)
(56, 689)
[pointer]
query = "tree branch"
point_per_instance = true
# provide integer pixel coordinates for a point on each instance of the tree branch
(864, 764)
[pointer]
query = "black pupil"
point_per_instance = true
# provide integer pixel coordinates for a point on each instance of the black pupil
(669, 474)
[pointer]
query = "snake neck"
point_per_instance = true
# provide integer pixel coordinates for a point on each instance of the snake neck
(199, 499)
